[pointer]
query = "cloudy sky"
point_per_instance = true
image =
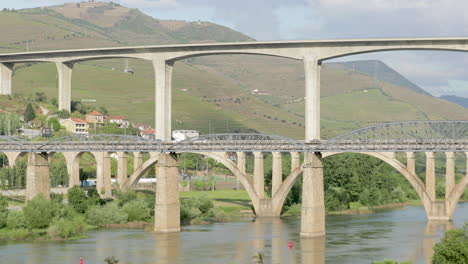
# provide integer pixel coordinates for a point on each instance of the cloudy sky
(437, 72)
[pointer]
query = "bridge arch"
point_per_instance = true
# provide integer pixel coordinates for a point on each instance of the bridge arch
(272, 53)
(218, 156)
(417, 184)
(340, 52)
(458, 191)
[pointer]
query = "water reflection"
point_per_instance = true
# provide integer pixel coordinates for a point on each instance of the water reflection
(401, 235)
(167, 248)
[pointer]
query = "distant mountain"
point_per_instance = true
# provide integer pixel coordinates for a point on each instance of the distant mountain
(456, 99)
(380, 71)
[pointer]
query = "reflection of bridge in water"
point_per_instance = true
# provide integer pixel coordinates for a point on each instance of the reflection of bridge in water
(382, 142)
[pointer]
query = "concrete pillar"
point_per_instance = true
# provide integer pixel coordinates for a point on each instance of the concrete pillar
(312, 98)
(163, 77)
(137, 160)
(449, 173)
(241, 161)
(167, 208)
(103, 174)
(277, 173)
(121, 168)
(12, 157)
(37, 176)
(73, 167)
(295, 160)
(64, 85)
(430, 176)
(313, 205)
(259, 179)
(6, 71)
(410, 163)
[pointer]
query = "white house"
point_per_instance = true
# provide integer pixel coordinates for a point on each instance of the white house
(179, 135)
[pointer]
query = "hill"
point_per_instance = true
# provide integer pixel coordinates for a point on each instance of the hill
(212, 93)
(456, 99)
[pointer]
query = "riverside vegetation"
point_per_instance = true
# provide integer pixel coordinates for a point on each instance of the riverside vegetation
(56, 220)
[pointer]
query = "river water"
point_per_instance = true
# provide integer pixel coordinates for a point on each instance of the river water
(402, 234)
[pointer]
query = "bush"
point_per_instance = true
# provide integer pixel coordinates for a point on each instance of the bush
(216, 214)
(3, 211)
(16, 220)
(125, 197)
(137, 210)
(107, 214)
(453, 247)
(336, 198)
(77, 199)
(15, 234)
(56, 197)
(38, 212)
(65, 228)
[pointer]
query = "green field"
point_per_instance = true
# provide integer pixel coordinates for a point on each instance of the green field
(232, 202)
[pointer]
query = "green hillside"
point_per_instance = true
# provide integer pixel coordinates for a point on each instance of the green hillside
(211, 93)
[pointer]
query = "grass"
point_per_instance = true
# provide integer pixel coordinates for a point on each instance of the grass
(232, 202)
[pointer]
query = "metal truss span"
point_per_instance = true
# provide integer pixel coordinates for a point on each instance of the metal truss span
(410, 136)
(238, 143)
(15, 144)
(101, 143)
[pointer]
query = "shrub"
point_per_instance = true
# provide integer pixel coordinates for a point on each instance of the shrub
(15, 234)
(77, 199)
(66, 228)
(107, 214)
(216, 214)
(3, 211)
(16, 220)
(453, 247)
(38, 212)
(125, 197)
(56, 197)
(336, 198)
(137, 210)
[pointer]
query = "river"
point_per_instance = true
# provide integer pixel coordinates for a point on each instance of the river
(401, 234)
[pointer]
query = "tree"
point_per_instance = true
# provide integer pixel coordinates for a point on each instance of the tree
(29, 113)
(77, 199)
(54, 123)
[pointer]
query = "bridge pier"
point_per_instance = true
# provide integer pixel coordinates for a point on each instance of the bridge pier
(449, 173)
(277, 173)
(259, 177)
(64, 85)
(37, 176)
(6, 72)
(312, 67)
(103, 174)
(167, 206)
(137, 160)
(313, 204)
(295, 160)
(122, 168)
(430, 175)
(163, 77)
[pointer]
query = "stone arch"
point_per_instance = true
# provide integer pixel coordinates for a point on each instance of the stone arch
(140, 171)
(280, 196)
(13, 157)
(133, 179)
(456, 193)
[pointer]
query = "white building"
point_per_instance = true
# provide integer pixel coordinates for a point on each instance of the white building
(180, 135)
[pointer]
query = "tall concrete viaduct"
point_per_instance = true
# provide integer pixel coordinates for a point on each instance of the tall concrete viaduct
(312, 53)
